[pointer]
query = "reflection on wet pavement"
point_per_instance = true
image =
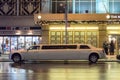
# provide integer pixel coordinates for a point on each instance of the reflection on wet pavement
(59, 71)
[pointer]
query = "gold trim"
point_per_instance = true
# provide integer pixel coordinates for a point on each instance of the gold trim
(71, 17)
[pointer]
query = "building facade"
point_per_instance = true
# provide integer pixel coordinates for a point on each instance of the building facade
(88, 22)
(17, 27)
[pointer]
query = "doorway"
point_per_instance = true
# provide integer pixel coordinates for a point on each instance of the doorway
(116, 40)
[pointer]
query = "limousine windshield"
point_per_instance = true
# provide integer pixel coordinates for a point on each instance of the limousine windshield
(33, 48)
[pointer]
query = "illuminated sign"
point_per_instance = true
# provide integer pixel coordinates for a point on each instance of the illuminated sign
(114, 16)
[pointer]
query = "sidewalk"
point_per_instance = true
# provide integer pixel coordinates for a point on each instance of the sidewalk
(4, 58)
(110, 58)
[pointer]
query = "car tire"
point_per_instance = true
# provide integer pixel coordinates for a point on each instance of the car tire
(93, 58)
(16, 58)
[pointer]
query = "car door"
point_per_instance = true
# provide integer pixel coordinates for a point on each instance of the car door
(84, 51)
(32, 52)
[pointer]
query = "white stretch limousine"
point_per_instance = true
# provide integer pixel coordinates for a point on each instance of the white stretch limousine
(59, 52)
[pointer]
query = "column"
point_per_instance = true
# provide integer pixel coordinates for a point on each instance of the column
(102, 34)
(18, 7)
(45, 34)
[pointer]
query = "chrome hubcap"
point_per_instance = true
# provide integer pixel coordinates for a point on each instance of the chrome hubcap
(16, 58)
(93, 58)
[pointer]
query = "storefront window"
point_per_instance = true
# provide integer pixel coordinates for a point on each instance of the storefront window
(14, 43)
(6, 44)
(21, 44)
(28, 42)
(11, 43)
(1, 41)
(36, 40)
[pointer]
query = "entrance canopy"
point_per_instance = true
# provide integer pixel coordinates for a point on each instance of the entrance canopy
(71, 17)
(45, 18)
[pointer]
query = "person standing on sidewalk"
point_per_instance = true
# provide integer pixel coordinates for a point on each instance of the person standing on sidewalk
(112, 47)
(105, 47)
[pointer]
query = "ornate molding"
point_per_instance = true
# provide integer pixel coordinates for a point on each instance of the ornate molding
(8, 7)
(29, 7)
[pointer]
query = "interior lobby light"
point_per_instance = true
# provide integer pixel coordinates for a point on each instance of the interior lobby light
(113, 32)
(30, 32)
(113, 28)
(74, 28)
(18, 33)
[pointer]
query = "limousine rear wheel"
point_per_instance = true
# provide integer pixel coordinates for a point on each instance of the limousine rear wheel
(16, 58)
(93, 58)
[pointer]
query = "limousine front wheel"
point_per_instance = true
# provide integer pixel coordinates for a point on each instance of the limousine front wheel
(16, 58)
(93, 58)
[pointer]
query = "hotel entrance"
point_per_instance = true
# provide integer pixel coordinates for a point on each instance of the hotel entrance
(76, 34)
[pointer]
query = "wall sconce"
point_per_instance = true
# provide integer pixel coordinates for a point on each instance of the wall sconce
(108, 16)
(39, 17)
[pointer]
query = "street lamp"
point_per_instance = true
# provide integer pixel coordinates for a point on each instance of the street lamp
(66, 21)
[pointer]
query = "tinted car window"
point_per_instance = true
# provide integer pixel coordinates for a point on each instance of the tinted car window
(59, 47)
(84, 47)
(34, 47)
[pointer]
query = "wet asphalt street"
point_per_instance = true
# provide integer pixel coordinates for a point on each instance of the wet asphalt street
(60, 71)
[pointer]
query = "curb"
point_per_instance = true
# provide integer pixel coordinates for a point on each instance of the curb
(7, 60)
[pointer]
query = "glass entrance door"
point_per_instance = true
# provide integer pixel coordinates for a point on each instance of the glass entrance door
(116, 41)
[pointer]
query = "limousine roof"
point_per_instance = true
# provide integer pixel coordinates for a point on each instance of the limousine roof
(62, 44)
